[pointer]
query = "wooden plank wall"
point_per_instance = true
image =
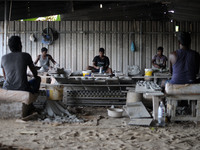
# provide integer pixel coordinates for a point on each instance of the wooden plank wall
(79, 41)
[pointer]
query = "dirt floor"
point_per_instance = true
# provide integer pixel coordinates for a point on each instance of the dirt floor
(99, 133)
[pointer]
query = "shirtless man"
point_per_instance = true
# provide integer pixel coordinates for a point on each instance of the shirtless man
(44, 59)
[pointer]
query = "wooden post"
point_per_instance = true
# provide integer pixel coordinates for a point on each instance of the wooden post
(141, 53)
(5, 27)
(156, 100)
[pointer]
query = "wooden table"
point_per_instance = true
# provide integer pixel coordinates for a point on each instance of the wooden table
(155, 77)
(103, 91)
(156, 98)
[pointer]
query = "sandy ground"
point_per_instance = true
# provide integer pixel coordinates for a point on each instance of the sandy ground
(99, 133)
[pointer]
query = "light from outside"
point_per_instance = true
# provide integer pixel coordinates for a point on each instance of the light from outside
(46, 18)
(177, 28)
(171, 11)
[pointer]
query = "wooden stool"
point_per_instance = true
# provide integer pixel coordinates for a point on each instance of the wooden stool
(184, 92)
(172, 104)
(11, 102)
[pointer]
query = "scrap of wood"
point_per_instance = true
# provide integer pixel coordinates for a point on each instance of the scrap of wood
(141, 121)
(20, 121)
(33, 116)
(28, 132)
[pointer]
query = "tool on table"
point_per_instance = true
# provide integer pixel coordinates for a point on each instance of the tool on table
(101, 70)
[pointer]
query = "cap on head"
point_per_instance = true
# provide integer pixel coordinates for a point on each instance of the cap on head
(184, 39)
(15, 44)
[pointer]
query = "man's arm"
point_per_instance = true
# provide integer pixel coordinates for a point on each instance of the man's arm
(107, 63)
(95, 63)
(4, 74)
(172, 59)
(52, 60)
(154, 64)
(33, 70)
(37, 59)
(30, 64)
(164, 63)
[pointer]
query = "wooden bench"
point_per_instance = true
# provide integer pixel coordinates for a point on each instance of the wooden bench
(187, 92)
(174, 93)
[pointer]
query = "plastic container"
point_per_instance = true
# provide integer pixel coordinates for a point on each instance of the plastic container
(161, 114)
(87, 73)
(55, 93)
(148, 72)
(115, 112)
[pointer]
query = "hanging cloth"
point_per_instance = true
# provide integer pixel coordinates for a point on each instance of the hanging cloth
(132, 44)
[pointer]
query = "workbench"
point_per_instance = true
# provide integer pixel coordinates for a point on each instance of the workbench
(156, 77)
(94, 91)
(156, 95)
(100, 90)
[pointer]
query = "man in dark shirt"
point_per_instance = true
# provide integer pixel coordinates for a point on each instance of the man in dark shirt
(184, 63)
(159, 60)
(100, 61)
(14, 67)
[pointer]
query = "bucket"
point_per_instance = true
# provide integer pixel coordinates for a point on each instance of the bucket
(148, 72)
(87, 73)
(55, 93)
(115, 112)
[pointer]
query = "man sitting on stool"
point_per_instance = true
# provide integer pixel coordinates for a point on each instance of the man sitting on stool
(184, 63)
(100, 61)
(14, 67)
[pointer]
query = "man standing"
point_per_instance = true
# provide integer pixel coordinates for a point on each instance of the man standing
(184, 63)
(159, 60)
(100, 61)
(44, 59)
(14, 67)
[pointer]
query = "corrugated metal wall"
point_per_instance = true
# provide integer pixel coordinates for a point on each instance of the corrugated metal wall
(79, 41)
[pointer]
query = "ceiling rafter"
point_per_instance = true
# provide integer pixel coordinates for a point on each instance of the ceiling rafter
(111, 10)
